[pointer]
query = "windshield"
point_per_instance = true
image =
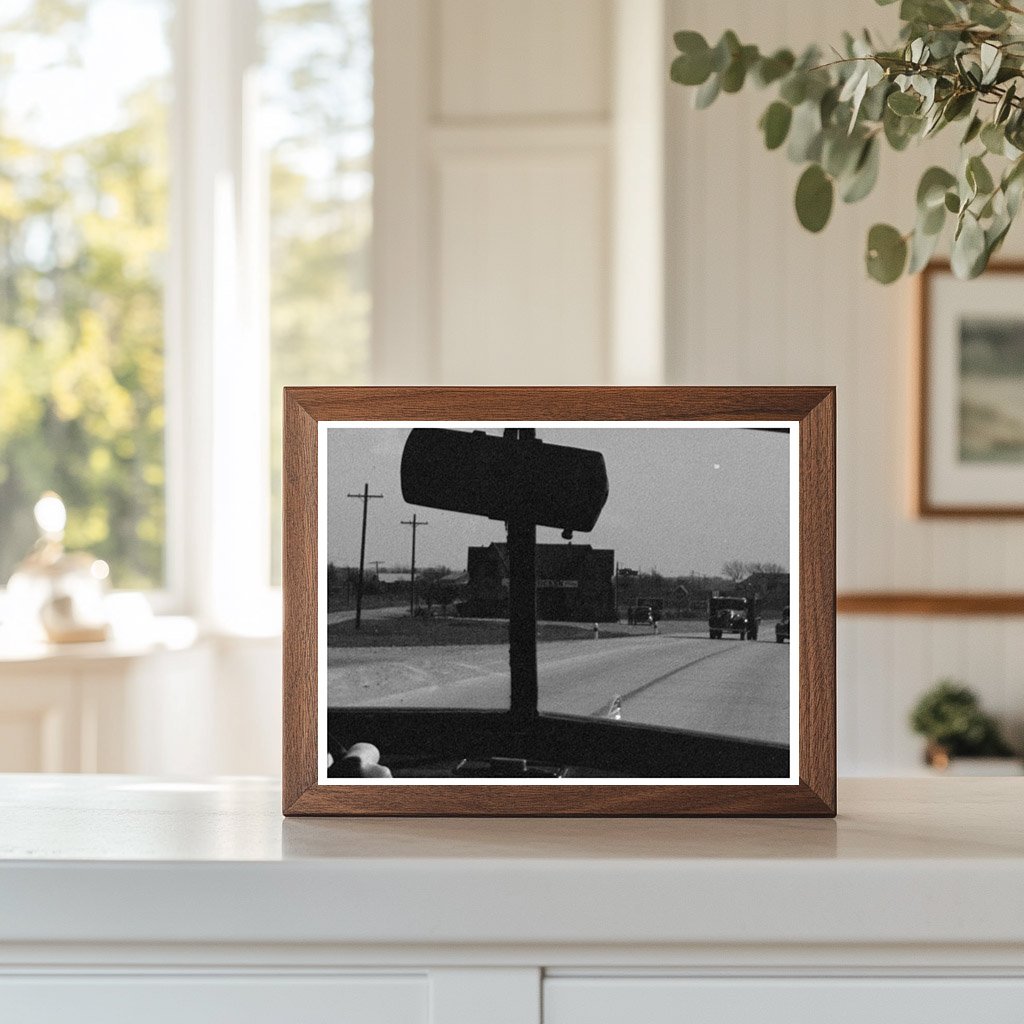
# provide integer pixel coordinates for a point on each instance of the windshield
(419, 597)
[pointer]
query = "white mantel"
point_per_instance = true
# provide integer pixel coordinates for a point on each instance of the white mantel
(914, 896)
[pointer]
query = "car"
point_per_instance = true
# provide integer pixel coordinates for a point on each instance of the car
(732, 615)
(782, 627)
(643, 614)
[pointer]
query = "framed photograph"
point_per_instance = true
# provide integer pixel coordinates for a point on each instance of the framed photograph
(970, 450)
(559, 601)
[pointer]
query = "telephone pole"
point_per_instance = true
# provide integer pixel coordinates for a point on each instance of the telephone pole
(415, 524)
(365, 499)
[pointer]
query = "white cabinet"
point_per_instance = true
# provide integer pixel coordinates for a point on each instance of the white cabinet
(241, 999)
(144, 899)
(823, 1000)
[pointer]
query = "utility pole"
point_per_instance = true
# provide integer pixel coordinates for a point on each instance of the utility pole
(376, 563)
(415, 524)
(365, 499)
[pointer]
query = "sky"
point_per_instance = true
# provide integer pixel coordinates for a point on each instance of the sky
(680, 500)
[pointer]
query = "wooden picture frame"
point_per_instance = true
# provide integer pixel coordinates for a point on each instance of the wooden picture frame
(807, 414)
(969, 448)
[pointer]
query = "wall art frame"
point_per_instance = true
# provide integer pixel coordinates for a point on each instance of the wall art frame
(609, 767)
(969, 448)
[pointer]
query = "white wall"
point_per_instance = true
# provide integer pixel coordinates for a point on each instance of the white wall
(504, 155)
(754, 299)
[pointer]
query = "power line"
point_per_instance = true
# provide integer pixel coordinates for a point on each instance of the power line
(415, 524)
(365, 498)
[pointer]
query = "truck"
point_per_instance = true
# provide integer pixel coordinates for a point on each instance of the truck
(732, 615)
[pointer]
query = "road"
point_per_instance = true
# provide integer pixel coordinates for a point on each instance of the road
(675, 678)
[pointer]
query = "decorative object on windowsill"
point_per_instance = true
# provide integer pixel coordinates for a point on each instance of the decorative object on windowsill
(957, 60)
(950, 717)
(56, 594)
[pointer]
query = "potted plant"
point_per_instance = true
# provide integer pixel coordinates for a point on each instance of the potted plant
(956, 62)
(949, 716)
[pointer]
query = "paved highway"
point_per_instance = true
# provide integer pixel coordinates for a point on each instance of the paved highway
(675, 678)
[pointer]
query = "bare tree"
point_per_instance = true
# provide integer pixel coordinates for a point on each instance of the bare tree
(735, 570)
(765, 567)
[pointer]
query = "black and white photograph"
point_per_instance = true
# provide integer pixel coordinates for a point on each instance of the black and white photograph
(553, 601)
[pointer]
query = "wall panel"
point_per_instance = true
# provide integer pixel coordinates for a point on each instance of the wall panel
(521, 291)
(530, 58)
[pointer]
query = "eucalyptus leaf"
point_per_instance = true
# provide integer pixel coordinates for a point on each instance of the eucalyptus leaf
(690, 69)
(724, 51)
(707, 93)
(973, 130)
(978, 176)
(814, 196)
(900, 130)
(1005, 105)
(993, 138)
(771, 69)
(931, 190)
(775, 124)
(1014, 192)
(805, 133)
(987, 15)
(904, 103)
(865, 174)
(968, 247)
(922, 248)
(873, 106)
(886, 253)
(794, 88)
(840, 152)
(932, 221)
(735, 74)
(958, 105)
(991, 60)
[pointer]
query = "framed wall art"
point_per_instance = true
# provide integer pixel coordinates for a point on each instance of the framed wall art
(559, 601)
(970, 444)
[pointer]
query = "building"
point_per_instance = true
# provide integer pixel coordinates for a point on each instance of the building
(771, 589)
(574, 583)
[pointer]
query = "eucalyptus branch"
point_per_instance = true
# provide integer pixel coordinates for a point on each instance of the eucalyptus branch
(833, 118)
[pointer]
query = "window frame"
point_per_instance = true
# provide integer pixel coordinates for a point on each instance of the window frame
(217, 440)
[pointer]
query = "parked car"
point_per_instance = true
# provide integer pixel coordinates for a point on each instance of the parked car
(782, 627)
(732, 615)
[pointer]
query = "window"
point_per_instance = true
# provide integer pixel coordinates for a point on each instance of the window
(83, 237)
(317, 89)
(185, 220)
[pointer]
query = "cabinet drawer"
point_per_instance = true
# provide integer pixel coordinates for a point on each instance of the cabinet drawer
(202, 999)
(659, 1000)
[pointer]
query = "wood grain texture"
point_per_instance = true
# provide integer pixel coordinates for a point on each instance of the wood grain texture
(813, 407)
(299, 595)
(924, 506)
(926, 603)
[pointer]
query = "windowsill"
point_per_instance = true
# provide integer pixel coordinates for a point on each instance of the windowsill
(161, 633)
